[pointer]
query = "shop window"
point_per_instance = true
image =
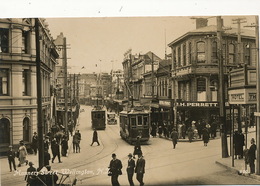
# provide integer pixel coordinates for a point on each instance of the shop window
(26, 129)
(4, 131)
(184, 54)
(201, 52)
(247, 54)
(4, 82)
(4, 40)
(214, 90)
(214, 52)
(231, 53)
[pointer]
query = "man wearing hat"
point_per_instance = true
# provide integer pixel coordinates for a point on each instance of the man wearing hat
(35, 143)
(130, 169)
(30, 176)
(11, 158)
(140, 169)
(252, 156)
(115, 167)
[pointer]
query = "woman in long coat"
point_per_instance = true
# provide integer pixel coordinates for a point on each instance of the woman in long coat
(190, 134)
(174, 137)
(205, 136)
(22, 154)
(64, 146)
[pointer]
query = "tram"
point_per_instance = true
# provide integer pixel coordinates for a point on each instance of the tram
(98, 118)
(134, 123)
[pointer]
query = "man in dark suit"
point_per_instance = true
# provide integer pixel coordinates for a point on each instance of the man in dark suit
(11, 158)
(35, 143)
(115, 167)
(130, 169)
(55, 150)
(140, 169)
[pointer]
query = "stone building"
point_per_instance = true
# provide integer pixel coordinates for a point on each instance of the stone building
(18, 88)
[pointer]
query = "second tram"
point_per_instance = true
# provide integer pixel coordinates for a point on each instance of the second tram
(134, 123)
(98, 118)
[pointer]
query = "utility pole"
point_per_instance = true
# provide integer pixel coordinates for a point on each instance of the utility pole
(222, 109)
(78, 87)
(39, 96)
(71, 114)
(152, 79)
(258, 97)
(65, 83)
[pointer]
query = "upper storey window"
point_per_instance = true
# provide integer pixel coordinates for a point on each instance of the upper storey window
(4, 40)
(201, 57)
(231, 53)
(179, 56)
(214, 52)
(184, 55)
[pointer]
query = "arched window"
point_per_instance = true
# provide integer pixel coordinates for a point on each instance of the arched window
(4, 131)
(201, 57)
(26, 129)
(184, 54)
(214, 52)
(231, 53)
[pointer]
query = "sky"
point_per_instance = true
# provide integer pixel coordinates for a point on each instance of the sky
(99, 44)
(101, 31)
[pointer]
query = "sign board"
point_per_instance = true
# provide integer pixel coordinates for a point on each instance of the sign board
(197, 104)
(242, 96)
(165, 103)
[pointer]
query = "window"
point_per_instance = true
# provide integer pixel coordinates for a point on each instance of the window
(26, 82)
(4, 82)
(201, 52)
(184, 54)
(145, 120)
(133, 121)
(26, 129)
(224, 53)
(201, 89)
(139, 120)
(174, 58)
(179, 57)
(231, 51)
(214, 52)
(247, 54)
(25, 36)
(4, 40)
(4, 131)
(190, 53)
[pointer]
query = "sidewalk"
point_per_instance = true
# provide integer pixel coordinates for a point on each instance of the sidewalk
(239, 164)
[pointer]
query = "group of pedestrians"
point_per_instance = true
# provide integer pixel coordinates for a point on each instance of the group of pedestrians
(138, 167)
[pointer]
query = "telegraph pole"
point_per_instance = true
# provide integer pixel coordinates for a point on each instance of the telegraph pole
(65, 83)
(74, 86)
(222, 109)
(39, 96)
(152, 79)
(258, 97)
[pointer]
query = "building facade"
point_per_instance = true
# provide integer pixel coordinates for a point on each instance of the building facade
(18, 87)
(195, 69)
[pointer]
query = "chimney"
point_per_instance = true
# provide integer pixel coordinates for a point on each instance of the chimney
(201, 22)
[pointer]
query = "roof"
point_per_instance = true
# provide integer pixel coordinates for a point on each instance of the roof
(212, 29)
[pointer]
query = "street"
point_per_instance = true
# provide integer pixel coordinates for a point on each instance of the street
(189, 163)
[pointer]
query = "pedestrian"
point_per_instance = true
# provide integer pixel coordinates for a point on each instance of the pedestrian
(95, 138)
(11, 158)
(190, 134)
(115, 167)
(51, 177)
(79, 139)
(137, 148)
(55, 150)
(70, 128)
(22, 152)
(199, 128)
(160, 130)
(47, 157)
(46, 142)
(75, 142)
(165, 129)
(35, 143)
(183, 130)
(236, 144)
(174, 136)
(153, 131)
(214, 129)
(130, 169)
(205, 136)
(252, 156)
(140, 169)
(64, 146)
(241, 144)
(31, 174)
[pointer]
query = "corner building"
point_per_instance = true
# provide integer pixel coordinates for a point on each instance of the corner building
(195, 69)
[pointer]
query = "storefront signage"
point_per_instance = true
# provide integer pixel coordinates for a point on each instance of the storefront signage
(251, 96)
(237, 97)
(197, 104)
(165, 103)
